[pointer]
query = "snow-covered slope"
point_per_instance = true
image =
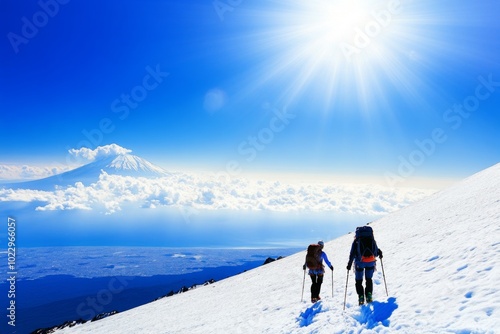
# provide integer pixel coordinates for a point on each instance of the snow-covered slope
(121, 164)
(441, 261)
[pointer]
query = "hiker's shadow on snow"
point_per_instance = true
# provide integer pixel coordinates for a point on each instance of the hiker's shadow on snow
(376, 312)
(307, 317)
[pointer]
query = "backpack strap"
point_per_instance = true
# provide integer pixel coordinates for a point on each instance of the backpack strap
(358, 252)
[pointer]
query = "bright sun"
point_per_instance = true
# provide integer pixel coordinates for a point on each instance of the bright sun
(333, 46)
(337, 21)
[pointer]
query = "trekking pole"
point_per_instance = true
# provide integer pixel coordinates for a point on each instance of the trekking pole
(383, 273)
(303, 283)
(332, 283)
(345, 294)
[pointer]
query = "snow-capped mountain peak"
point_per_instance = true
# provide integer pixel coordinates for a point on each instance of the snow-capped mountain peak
(120, 164)
(130, 162)
(129, 165)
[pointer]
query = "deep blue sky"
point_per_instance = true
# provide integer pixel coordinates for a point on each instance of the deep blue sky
(352, 115)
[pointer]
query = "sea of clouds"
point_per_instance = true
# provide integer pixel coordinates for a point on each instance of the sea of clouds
(207, 192)
(203, 191)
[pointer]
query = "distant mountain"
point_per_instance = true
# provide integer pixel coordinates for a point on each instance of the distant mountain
(123, 164)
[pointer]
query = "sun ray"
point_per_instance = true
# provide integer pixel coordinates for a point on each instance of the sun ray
(341, 51)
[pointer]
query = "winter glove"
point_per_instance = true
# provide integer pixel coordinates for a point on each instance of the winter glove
(349, 265)
(331, 267)
(304, 267)
(380, 254)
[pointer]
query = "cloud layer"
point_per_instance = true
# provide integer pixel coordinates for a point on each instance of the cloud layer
(204, 192)
(25, 172)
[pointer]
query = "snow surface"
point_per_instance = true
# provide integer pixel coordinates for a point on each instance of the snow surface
(128, 162)
(441, 260)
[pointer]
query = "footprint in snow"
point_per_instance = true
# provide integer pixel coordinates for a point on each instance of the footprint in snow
(485, 269)
(489, 311)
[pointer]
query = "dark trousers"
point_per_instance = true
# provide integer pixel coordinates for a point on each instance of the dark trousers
(317, 280)
(366, 268)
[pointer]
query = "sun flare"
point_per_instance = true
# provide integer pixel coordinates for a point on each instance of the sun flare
(324, 49)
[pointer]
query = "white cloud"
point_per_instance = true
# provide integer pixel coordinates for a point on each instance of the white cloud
(25, 172)
(204, 192)
(179, 255)
(86, 154)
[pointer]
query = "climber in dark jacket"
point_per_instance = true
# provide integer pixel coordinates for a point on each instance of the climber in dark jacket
(364, 251)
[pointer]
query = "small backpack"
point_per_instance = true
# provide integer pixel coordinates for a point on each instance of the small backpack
(313, 257)
(366, 245)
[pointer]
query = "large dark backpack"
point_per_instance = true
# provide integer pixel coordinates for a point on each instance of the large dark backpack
(313, 257)
(366, 244)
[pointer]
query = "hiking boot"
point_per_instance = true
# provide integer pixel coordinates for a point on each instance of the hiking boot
(361, 299)
(314, 300)
(369, 298)
(319, 298)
